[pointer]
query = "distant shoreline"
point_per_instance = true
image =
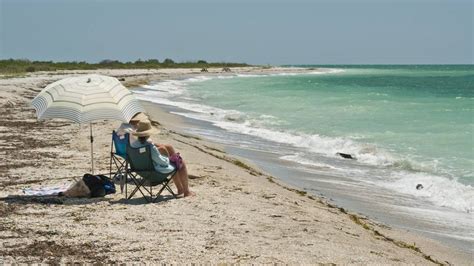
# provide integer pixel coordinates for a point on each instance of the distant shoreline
(21, 66)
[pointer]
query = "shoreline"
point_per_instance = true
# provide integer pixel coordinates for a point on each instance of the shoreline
(346, 194)
(367, 223)
(240, 214)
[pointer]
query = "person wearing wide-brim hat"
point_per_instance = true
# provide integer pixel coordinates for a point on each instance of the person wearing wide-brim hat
(144, 129)
(138, 117)
(164, 157)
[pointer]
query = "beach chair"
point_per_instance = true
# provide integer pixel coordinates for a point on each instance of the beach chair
(143, 174)
(118, 155)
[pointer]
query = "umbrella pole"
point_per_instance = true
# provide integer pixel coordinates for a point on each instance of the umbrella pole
(92, 150)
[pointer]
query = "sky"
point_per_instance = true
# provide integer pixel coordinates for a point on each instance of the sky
(256, 32)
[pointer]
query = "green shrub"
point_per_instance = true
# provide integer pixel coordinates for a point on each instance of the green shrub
(168, 61)
(14, 66)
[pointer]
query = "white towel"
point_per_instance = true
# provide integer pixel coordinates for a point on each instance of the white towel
(46, 191)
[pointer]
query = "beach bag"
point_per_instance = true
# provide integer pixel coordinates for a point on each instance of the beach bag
(176, 160)
(99, 185)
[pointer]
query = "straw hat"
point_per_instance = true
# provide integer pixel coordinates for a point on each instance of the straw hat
(144, 129)
(139, 117)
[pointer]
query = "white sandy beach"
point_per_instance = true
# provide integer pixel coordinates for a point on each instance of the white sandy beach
(239, 215)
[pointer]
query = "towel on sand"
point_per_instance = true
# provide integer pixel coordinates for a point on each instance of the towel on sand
(46, 191)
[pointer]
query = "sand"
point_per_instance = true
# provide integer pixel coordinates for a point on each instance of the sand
(239, 215)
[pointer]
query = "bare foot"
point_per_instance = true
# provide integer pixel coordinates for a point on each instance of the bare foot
(189, 194)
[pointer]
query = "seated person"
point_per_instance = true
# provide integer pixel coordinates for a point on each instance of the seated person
(162, 162)
(130, 127)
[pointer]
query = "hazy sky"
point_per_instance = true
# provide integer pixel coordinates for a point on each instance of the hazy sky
(258, 32)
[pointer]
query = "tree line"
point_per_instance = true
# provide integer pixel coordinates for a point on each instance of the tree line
(24, 65)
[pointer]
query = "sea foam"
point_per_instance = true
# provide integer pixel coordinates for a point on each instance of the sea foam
(439, 190)
(404, 174)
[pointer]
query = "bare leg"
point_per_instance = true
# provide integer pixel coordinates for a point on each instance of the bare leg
(177, 182)
(184, 181)
(180, 179)
(169, 149)
(176, 178)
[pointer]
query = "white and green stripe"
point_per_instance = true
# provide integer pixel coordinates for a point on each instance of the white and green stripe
(86, 98)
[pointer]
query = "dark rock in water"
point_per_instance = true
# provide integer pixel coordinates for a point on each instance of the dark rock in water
(121, 79)
(419, 186)
(346, 155)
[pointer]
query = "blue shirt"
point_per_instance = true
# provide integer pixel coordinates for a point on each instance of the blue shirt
(161, 163)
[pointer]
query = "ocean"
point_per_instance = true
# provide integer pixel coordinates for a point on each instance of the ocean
(404, 126)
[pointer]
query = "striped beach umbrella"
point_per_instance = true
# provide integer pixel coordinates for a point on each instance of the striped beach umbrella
(86, 98)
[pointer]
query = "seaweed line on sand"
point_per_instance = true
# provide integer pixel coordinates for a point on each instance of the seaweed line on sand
(353, 217)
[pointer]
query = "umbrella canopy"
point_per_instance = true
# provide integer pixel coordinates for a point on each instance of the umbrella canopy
(86, 98)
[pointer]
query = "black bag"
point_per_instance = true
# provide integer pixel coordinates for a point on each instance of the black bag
(99, 185)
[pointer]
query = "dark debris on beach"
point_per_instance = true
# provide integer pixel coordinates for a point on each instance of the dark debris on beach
(19, 142)
(53, 252)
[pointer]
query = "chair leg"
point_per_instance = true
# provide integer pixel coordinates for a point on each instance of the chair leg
(164, 186)
(168, 187)
(111, 155)
(171, 191)
(126, 178)
(110, 165)
(118, 163)
(123, 180)
(139, 186)
(121, 166)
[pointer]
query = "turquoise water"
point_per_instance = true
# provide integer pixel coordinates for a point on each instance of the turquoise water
(422, 116)
(404, 124)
